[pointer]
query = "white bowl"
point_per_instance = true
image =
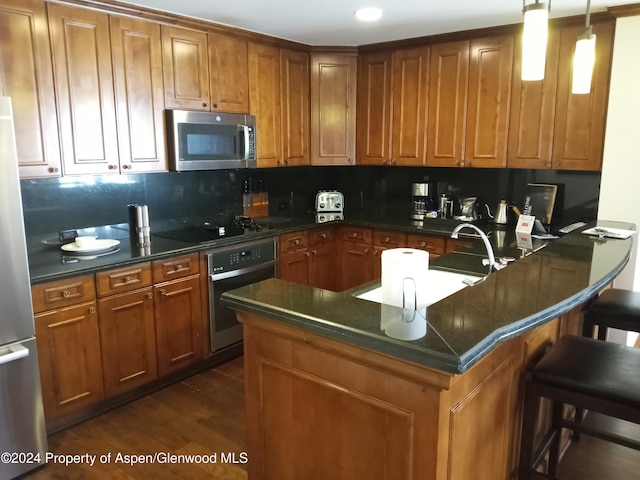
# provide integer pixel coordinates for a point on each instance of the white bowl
(86, 241)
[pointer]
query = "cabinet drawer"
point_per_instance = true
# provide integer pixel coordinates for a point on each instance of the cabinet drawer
(175, 267)
(435, 245)
(318, 236)
(355, 234)
(454, 244)
(389, 239)
(61, 293)
(293, 241)
(123, 279)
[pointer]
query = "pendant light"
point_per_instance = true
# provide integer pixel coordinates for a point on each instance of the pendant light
(534, 39)
(584, 57)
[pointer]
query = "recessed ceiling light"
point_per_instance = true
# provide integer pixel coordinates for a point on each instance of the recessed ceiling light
(368, 14)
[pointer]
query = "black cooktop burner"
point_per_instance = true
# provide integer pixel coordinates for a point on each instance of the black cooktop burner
(209, 231)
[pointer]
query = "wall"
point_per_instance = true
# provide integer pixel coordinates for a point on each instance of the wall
(621, 164)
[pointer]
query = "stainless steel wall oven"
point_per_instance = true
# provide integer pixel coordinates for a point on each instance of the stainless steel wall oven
(229, 268)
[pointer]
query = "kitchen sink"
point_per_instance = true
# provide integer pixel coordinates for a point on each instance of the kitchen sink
(441, 285)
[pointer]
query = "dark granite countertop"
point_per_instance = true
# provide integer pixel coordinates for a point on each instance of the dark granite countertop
(463, 327)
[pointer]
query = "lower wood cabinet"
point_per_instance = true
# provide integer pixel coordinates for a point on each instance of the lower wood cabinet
(178, 323)
(309, 258)
(128, 340)
(68, 340)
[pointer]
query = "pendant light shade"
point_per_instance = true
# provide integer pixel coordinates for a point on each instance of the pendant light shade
(534, 40)
(584, 58)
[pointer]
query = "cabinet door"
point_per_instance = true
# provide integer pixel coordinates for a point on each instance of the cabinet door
(374, 109)
(356, 264)
(81, 47)
(294, 92)
(178, 324)
(410, 86)
(26, 75)
(436, 246)
(128, 341)
(322, 267)
(580, 119)
(333, 109)
(533, 107)
(69, 356)
(490, 71)
(294, 266)
(186, 68)
(448, 78)
(137, 76)
(264, 95)
(228, 74)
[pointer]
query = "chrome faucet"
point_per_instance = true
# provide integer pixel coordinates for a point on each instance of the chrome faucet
(492, 259)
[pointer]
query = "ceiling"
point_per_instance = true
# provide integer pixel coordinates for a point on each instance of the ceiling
(331, 22)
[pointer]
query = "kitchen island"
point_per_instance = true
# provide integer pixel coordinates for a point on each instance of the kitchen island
(330, 395)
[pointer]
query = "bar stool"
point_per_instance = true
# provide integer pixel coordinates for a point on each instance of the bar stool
(589, 374)
(614, 308)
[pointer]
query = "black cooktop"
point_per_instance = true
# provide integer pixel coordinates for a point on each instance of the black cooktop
(210, 231)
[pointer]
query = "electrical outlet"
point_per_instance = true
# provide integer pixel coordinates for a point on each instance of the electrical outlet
(66, 235)
(283, 205)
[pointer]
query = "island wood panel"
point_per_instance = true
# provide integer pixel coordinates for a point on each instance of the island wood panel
(448, 79)
(26, 75)
(137, 74)
(81, 46)
(410, 89)
(294, 86)
(580, 119)
(185, 68)
(490, 70)
(373, 146)
(299, 386)
(228, 73)
(533, 107)
(264, 99)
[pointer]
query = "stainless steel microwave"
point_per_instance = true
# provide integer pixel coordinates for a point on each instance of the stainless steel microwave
(210, 141)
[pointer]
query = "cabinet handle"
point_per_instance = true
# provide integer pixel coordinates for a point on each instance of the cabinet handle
(149, 295)
(215, 105)
(315, 252)
(112, 167)
(179, 267)
(296, 241)
(92, 309)
(52, 170)
(422, 244)
(126, 167)
(128, 279)
(205, 104)
(163, 291)
(66, 294)
(366, 250)
(387, 239)
(306, 254)
(323, 235)
(354, 234)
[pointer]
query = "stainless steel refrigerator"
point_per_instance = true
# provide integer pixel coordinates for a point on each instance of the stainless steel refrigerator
(23, 440)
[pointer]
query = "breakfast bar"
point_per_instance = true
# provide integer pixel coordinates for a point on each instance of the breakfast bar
(330, 394)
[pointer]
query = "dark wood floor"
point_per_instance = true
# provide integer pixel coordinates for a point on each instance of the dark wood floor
(204, 415)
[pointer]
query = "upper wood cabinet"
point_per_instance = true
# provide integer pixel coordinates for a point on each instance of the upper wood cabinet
(294, 94)
(26, 75)
(333, 109)
(264, 94)
(80, 41)
(580, 119)
(228, 74)
(186, 68)
(137, 76)
(469, 95)
(533, 109)
(373, 139)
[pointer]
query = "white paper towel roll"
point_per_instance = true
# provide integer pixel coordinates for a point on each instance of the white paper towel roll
(404, 277)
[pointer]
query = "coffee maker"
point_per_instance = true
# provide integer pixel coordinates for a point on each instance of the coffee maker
(422, 200)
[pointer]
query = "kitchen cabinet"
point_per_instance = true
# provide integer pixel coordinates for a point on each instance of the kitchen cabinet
(468, 107)
(322, 261)
(26, 75)
(137, 75)
(264, 95)
(373, 136)
(356, 246)
(68, 340)
(185, 68)
(384, 240)
(293, 259)
(333, 109)
(228, 74)
(294, 93)
(436, 246)
(580, 119)
(80, 40)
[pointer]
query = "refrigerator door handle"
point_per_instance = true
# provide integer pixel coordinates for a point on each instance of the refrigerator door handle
(13, 353)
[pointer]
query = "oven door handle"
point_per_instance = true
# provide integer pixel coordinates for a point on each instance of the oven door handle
(241, 271)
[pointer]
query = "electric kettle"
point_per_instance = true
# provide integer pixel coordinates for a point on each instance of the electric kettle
(500, 217)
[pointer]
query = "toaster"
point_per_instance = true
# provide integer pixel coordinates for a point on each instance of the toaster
(329, 201)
